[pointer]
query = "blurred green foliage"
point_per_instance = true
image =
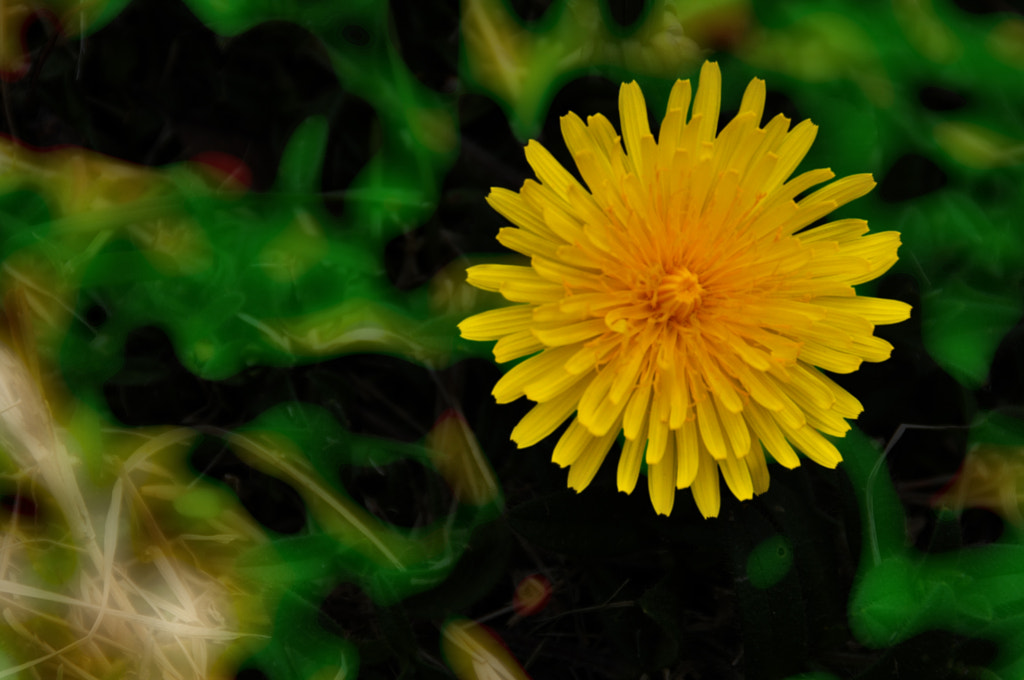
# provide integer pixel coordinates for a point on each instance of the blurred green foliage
(259, 294)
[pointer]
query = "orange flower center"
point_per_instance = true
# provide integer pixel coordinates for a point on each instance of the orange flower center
(678, 295)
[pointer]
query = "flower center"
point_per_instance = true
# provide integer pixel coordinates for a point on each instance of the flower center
(678, 294)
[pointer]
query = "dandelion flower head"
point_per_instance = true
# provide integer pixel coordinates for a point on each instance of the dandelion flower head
(682, 299)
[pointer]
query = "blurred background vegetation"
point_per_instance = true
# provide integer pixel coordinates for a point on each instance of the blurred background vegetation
(235, 233)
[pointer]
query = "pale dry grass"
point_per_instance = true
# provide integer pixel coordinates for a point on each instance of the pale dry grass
(138, 604)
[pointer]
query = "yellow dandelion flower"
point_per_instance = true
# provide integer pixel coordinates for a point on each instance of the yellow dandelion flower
(681, 299)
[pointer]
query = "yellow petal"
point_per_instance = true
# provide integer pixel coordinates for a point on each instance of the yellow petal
(518, 284)
(544, 418)
(678, 395)
(515, 209)
(762, 388)
(814, 446)
(627, 370)
(594, 400)
(549, 171)
(495, 323)
(753, 99)
(657, 437)
(710, 430)
(570, 334)
(629, 463)
(735, 427)
(636, 410)
(755, 462)
(547, 387)
(705, 487)
(825, 200)
(687, 451)
(874, 310)
(571, 444)
(829, 358)
(516, 345)
(842, 191)
(672, 125)
(827, 421)
(679, 98)
(608, 142)
(562, 224)
(545, 366)
(583, 469)
(791, 151)
(527, 243)
(878, 249)
(839, 231)
(661, 483)
(708, 100)
(806, 383)
(799, 184)
(603, 416)
(633, 113)
(594, 166)
(737, 477)
(722, 387)
(564, 274)
(770, 434)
